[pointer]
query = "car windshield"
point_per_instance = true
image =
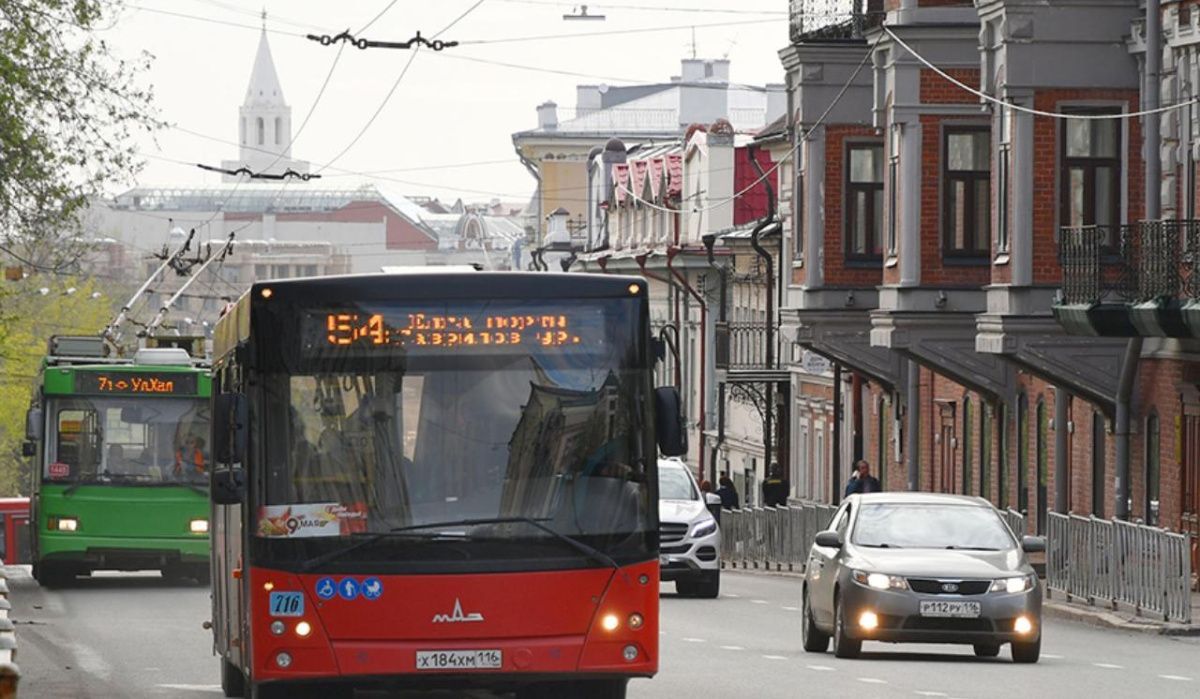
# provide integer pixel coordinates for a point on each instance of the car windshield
(931, 526)
(674, 483)
(127, 440)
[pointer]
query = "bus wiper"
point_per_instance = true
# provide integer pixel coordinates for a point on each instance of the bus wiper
(590, 551)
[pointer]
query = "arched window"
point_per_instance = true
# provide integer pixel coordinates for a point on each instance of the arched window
(885, 409)
(1022, 453)
(967, 444)
(1043, 459)
(1152, 461)
(278, 131)
(1097, 463)
(1002, 425)
(985, 451)
(244, 136)
(262, 136)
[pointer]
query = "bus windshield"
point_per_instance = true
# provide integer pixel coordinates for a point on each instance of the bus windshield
(538, 430)
(119, 441)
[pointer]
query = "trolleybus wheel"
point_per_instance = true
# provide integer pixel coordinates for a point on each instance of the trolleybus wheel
(52, 574)
(233, 682)
(593, 689)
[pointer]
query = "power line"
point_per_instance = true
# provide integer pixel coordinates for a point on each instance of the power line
(210, 20)
(652, 8)
(1029, 110)
(377, 17)
(613, 32)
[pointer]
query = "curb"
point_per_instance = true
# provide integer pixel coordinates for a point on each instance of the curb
(1103, 618)
(10, 674)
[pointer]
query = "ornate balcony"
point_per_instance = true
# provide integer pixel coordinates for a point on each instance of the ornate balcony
(825, 20)
(741, 352)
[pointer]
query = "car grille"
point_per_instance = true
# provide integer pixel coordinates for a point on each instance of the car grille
(927, 586)
(706, 553)
(671, 533)
(918, 623)
(677, 548)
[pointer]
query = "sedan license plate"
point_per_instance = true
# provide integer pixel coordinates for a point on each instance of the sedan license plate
(958, 610)
(459, 660)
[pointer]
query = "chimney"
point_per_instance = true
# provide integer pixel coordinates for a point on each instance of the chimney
(587, 99)
(776, 101)
(548, 116)
(718, 70)
(704, 70)
(691, 70)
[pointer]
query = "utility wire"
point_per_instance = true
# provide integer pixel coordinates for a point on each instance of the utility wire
(210, 20)
(652, 8)
(1028, 110)
(613, 32)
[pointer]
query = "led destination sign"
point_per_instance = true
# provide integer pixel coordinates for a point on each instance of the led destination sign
(456, 330)
(134, 383)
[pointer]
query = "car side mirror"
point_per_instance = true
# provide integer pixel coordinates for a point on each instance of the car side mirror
(712, 499)
(668, 422)
(33, 425)
(29, 448)
(1033, 544)
(228, 486)
(231, 416)
(829, 539)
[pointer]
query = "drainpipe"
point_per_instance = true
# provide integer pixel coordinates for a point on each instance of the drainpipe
(709, 243)
(912, 420)
(1062, 484)
(762, 252)
(1153, 91)
(836, 466)
(537, 175)
(1129, 368)
(683, 282)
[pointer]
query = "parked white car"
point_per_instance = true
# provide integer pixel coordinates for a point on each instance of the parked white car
(689, 537)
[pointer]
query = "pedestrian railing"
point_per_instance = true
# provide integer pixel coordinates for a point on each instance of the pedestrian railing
(772, 538)
(1119, 564)
(10, 674)
(1016, 522)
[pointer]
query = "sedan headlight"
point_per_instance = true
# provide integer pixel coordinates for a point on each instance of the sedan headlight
(704, 528)
(1013, 585)
(879, 581)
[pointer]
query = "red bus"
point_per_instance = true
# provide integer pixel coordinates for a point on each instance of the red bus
(14, 530)
(437, 481)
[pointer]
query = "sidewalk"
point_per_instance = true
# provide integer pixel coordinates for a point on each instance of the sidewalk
(1104, 617)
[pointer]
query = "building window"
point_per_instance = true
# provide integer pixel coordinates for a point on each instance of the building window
(885, 409)
(1003, 158)
(1091, 174)
(966, 192)
(1002, 466)
(260, 273)
(1097, 463)
(798, 210)
(893, 212)
(278, 131)
(1150, 508)
(864, 202)
(310, 270)
(967, 446)
(1022, 453)
(985, 451)
(243, 134)
(1043, 464)
(279, 272)
(261, 130)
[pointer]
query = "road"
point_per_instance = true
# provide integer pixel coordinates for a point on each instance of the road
(136, 636)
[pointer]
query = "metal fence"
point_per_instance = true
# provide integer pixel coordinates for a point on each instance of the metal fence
(1016, 522)
(1118, 564)
(772, 538)
(10, 674)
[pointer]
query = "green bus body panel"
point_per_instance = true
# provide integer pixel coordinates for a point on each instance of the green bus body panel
(150, 518)
(60, 381)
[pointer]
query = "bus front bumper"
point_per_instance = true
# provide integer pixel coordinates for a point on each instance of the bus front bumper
(123, 553)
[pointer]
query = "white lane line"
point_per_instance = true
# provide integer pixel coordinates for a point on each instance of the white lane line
(774, 657)
(758, 601)
(730, 595)
(1052, 656)
(192, 687)
(791, 609)
(1176, 678)
(693, 640)
(820, 668)
(732, 648)
(924, 693)
(872, 680)
(1109, 666)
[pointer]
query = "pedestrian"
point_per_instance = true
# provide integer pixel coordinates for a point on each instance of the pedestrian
(775, 488)
(729, 495)
(862, 481)
(705, 486)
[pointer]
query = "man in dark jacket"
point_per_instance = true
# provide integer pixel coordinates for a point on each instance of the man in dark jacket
(775, 488)
(862, 481)
(729, 495)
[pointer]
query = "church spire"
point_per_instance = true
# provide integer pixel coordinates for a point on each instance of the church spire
(264, 89)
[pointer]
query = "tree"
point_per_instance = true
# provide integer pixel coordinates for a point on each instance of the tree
(68, 112)
(30, 312)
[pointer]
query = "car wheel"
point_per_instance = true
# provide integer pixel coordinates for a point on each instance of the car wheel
(708, 586)
(843, 645)
(1026, 651)
(815, 640)
(233, 682)
(987, 650)
(685, 588)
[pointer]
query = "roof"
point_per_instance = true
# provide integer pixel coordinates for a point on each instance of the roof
(264, 89)
(280, 198)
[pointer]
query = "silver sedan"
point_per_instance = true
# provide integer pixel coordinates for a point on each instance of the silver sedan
(922, 568)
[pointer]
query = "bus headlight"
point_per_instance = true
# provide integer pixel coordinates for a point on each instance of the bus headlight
(610, 622)
(198, 526)
(303, 629)
(62, 524)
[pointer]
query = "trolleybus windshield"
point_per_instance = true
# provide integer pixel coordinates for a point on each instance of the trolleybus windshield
(486, 417)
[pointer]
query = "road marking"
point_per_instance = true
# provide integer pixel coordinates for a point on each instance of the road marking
(693, 640)
(192, 687)
(1052, 656)
(774, 657)
(820, 668)
(924, 693)
(1176, 678)
(1109, 666)
(758, 601)
(730, 595)
(791, 609)
(872, 680)
(732, 648)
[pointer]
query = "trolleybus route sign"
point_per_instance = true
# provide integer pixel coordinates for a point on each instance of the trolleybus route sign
(134, 383)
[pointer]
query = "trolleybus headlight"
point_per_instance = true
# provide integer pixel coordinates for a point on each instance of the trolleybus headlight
(198, 526)
(635, 621)
(631, 653)
(303, 629)
(283, 660)
(277, 627)
(63, 524)
(610, 622)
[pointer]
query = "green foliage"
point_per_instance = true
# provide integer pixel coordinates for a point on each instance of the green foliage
(68, 112)
(28, 318)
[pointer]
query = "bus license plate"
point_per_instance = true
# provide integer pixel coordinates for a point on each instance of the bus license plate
(960, 610)
(459, 660)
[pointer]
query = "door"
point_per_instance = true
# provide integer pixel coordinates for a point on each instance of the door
(823, 571)
(947, 448)
(1190, 515)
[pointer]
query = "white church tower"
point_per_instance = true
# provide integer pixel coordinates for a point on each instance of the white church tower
(264, 121)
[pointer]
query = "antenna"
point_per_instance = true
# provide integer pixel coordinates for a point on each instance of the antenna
(693, 42)
(583, 14)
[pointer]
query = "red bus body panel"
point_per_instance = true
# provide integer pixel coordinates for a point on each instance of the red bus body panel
(543, 623)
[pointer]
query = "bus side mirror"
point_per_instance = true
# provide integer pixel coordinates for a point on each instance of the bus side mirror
(668, 422)
(231, 417)
(228, 486)
(33, 425)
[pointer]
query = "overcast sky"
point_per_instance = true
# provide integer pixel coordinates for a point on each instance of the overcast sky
(446, 111)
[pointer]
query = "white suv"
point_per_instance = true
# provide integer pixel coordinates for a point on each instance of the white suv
(689, 538)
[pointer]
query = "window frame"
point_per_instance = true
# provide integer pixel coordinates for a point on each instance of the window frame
(971, 180)
(1090, 164)
(851, 189)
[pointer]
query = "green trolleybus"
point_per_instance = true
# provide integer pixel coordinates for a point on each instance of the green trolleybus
(120, 462)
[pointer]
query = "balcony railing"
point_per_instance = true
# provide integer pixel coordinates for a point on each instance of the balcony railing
(1135, 263)
(741, 345)
(832, 19)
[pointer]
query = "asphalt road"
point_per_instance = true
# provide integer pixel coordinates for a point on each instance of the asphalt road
(136, 636)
